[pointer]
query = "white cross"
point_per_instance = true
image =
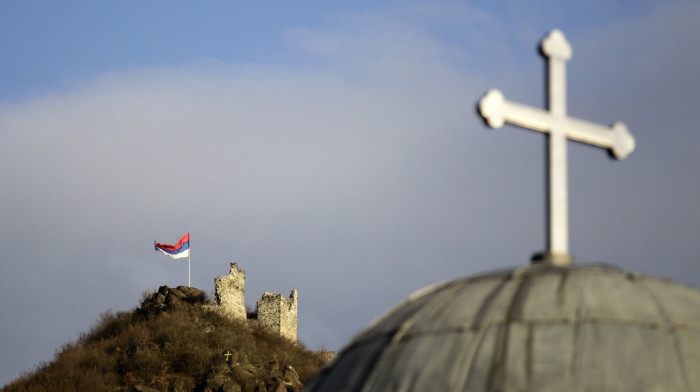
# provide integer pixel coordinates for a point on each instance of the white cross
(497, 110)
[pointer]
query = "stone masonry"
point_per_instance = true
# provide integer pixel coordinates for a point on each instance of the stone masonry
(279, 314)
(274, 312)
(229, 293)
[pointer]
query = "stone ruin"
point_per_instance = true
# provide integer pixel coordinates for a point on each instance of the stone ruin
(274, 311)
(229, 294)
(279, 314)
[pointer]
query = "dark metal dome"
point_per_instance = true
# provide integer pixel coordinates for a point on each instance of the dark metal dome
(539, 328)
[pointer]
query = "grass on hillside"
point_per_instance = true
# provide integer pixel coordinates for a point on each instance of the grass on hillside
(178, 348)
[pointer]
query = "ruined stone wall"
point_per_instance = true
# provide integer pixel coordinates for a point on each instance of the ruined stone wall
(279, 314)
(229, 291)
(274, 312)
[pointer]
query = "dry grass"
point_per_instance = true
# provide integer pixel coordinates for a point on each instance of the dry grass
(171, 350)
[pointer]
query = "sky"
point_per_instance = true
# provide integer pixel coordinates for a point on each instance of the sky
(328, 147)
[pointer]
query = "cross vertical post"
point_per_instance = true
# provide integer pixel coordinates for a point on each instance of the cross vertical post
(558, 50)
(496, 110)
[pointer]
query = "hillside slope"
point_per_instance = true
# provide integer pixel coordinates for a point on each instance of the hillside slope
(174, 341)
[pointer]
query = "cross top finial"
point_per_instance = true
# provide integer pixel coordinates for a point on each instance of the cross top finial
(555, 45)
(496, 110)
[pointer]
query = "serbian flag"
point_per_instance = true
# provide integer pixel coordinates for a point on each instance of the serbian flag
(181, 249)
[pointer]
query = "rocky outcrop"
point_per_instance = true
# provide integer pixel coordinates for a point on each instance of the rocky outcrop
(169, 299)
(244, 376)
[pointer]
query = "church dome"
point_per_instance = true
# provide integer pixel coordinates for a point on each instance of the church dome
(537, 328)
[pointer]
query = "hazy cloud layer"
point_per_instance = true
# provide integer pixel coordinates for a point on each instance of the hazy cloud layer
(356, 175)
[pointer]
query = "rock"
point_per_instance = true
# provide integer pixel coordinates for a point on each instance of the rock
(168, 299)
(231, 386)
(280, 387)
(244, 374)
(291, 378)
(218, 377)
(214, 382)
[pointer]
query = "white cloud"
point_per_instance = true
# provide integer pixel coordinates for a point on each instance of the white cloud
(356, 176)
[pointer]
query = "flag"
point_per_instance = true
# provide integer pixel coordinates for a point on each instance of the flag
(181, 249)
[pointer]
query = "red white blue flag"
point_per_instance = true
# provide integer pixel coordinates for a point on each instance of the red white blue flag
(181, 249)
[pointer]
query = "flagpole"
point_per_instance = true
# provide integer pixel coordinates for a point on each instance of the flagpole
(189, 254)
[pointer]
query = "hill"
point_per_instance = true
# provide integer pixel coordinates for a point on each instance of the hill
(174, 341)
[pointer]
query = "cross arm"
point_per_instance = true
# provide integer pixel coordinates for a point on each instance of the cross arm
(497, 111)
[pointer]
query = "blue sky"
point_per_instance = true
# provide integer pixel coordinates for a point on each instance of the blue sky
(331, 147)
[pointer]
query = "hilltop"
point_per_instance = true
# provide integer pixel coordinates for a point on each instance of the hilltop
(174, 341)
